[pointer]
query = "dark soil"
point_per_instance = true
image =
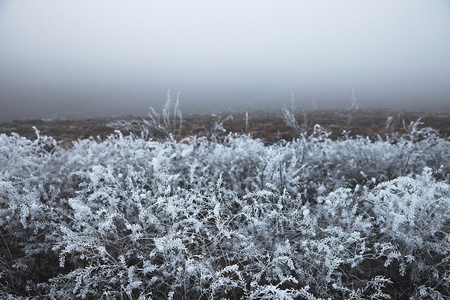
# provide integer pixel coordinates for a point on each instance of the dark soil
(267, 126)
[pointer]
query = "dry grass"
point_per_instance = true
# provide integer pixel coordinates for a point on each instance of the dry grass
(267, 126)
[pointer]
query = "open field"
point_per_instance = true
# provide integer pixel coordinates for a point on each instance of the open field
(267, 126)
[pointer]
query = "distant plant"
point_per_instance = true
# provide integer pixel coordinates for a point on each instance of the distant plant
(353, 108)
(300, 130)
(218, 131)
(165, 126)
(246, 123)
(135, 127)
(390, 126)
(314, 104)
(170, 123)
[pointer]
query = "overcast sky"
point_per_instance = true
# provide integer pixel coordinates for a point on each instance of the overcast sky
(93, 57)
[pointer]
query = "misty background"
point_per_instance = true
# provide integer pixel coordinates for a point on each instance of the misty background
(61, 58)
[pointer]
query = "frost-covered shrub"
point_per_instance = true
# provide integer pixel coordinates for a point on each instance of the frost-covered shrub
(412, 216)
(312, 218)
(25, 214)
(148, 243)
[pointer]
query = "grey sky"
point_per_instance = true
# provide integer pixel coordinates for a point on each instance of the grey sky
(62, 57)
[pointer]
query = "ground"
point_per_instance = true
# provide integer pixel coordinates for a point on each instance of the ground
(267, 126)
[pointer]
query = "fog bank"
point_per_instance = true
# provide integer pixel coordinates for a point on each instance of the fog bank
(93, 58)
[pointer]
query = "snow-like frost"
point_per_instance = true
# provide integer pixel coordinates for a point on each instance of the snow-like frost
(308, 219)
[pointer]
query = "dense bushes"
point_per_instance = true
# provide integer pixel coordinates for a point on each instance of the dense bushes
(312, 218)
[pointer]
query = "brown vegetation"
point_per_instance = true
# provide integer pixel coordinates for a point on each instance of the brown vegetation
(267, 126)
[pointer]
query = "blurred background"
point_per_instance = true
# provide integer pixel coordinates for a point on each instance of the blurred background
(78, 59)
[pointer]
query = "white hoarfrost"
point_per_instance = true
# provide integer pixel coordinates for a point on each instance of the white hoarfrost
(211, 218)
